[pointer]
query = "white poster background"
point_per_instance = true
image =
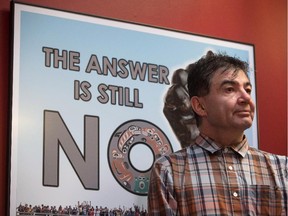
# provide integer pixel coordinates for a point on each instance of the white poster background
(37, 87)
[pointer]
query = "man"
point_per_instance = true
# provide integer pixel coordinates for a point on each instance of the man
(219, 174)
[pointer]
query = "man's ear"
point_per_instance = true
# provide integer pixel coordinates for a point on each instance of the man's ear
(198, 106)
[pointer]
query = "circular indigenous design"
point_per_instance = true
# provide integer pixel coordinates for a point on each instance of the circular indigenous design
(132, 150)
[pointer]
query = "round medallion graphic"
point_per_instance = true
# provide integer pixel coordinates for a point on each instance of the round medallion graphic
(133, 144)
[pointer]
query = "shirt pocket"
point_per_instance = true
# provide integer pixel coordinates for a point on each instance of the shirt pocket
(265, 200)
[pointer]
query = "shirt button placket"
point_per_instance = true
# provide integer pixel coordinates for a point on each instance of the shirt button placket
(230, 164)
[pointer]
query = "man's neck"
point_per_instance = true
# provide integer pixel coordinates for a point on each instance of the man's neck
(224, 138)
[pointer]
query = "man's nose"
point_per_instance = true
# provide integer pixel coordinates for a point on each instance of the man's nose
(244, 96)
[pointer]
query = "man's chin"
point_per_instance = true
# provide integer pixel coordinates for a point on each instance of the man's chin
(245, 124)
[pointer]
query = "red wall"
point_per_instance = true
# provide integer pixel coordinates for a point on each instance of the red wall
(262, 23)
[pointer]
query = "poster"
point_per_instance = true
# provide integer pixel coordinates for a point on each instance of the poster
(87, 117)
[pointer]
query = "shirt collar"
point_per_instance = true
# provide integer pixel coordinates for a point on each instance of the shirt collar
(209, 145)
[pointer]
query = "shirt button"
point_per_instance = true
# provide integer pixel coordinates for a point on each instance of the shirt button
(235, 194)
(230, 168)
(225, 150)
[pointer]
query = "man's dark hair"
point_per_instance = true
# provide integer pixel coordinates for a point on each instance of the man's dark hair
(201, 72)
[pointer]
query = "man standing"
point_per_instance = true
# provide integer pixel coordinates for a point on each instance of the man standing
(219, 174)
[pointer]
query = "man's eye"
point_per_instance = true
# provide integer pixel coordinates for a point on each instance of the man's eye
(229, 89)
(249, 91)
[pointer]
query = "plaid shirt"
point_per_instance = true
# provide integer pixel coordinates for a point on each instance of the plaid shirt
(205, 179)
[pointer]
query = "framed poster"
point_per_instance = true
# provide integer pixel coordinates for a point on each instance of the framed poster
(88, 108)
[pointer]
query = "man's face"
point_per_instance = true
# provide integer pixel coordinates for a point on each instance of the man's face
(228, 104)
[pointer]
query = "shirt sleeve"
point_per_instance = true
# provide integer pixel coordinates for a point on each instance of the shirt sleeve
(161, 198)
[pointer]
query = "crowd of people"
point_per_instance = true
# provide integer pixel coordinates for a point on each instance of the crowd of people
(84, 208)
